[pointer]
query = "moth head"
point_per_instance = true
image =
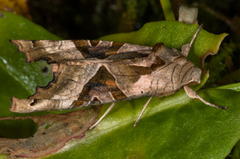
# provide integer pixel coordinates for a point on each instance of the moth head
(193, 77)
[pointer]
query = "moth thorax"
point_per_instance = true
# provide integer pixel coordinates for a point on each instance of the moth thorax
(192, 76)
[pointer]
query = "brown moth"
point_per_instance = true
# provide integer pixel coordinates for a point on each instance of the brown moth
(92, 72)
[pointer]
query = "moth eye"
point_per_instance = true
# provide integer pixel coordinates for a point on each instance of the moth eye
(142, 92)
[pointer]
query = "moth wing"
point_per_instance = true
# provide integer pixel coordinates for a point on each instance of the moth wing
(56, 51)
(68, 82)
(61, 92)
(50, 50)
(77, 86)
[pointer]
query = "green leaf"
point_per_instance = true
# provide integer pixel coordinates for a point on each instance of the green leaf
(18, 78)
(16, 27)
(171, 127)
(174, 35)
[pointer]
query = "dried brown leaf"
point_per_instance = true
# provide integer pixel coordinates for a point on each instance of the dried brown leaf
(53, 132)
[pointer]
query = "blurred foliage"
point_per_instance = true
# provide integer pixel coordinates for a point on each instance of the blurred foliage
(16, 6)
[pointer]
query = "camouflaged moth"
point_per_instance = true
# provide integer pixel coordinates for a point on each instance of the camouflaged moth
(92, 72)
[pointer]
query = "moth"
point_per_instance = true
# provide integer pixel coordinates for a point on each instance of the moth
(93, 72)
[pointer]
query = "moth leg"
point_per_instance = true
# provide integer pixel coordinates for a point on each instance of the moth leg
(144, 107)
(100, 119)
(192, 94)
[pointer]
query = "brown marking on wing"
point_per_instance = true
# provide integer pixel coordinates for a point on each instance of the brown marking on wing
(82, 46)
(102, 87)
(80, 43)
(158, 46)
(126, 56)
(114, 48)
(122, 69)
(94, 42)
(157, 63)
(104, 51)
(93, 48)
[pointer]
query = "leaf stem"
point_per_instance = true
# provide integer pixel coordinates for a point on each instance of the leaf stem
(167, 10)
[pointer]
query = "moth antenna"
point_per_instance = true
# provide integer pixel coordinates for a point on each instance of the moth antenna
(195, 35)
(100, 119)
(192, 94)
(187, 47)
(144, 107)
